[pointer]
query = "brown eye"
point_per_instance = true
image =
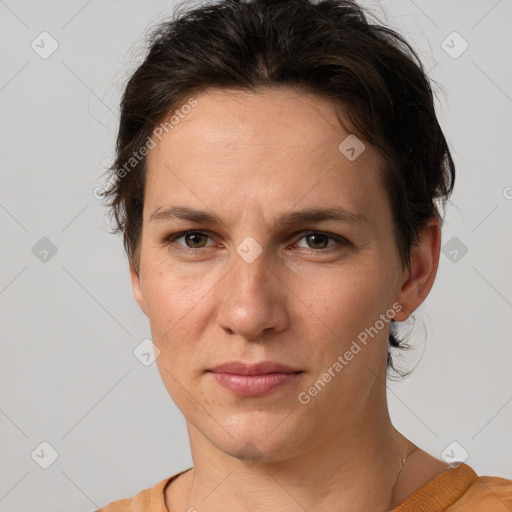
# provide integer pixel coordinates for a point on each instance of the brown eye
(193, 239)
(318, 241)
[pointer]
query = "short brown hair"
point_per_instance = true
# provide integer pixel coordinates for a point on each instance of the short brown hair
(327, 48)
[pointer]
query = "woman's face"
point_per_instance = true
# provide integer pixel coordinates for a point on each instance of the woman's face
(251, 287)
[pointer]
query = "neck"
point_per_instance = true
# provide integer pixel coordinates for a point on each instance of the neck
(356, 469)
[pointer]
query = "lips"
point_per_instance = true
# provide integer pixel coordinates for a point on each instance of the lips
(253, 379)
(261, 368)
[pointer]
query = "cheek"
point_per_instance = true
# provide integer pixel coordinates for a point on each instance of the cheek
(352, 309)
(171, 295)
(353, 297)
(178, 307)
(176, 377)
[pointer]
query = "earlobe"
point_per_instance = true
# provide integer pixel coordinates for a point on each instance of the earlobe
(137, 289)
(419, 277)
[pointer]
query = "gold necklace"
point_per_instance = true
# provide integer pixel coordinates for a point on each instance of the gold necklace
(406, 456)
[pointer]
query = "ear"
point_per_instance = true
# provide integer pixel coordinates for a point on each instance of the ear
(419, 278)
(137, 290)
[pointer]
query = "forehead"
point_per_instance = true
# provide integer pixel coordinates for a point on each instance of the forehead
(226, 121)
(275, 147)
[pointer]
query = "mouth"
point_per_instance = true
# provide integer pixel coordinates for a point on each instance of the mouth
(254, 385)
(261, 368)
(253, 379)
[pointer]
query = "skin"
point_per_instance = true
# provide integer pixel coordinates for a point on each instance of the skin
(250, 158)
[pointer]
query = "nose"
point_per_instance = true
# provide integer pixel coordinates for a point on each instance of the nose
(253, 300)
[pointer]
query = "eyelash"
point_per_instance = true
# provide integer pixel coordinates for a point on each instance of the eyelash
(173, 237)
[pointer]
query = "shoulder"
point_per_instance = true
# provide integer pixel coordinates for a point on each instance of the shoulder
(143, 501)
(117, 506)
(485, 494)
(460, 489)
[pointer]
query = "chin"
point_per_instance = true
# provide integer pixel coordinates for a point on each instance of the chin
(253, 445)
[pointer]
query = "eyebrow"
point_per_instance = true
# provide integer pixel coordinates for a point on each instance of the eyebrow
(306, 215)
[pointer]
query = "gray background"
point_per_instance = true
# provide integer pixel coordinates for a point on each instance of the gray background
(70, 324)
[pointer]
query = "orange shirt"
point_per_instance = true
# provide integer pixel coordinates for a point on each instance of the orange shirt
(457, 489)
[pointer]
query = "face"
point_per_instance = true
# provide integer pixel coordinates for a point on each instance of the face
(251, 282)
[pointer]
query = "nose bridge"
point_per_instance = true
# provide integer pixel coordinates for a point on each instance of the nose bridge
(250, 270)
(250, 273)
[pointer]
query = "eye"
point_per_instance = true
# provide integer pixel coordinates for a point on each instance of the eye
(317, 240)
(194, 237)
